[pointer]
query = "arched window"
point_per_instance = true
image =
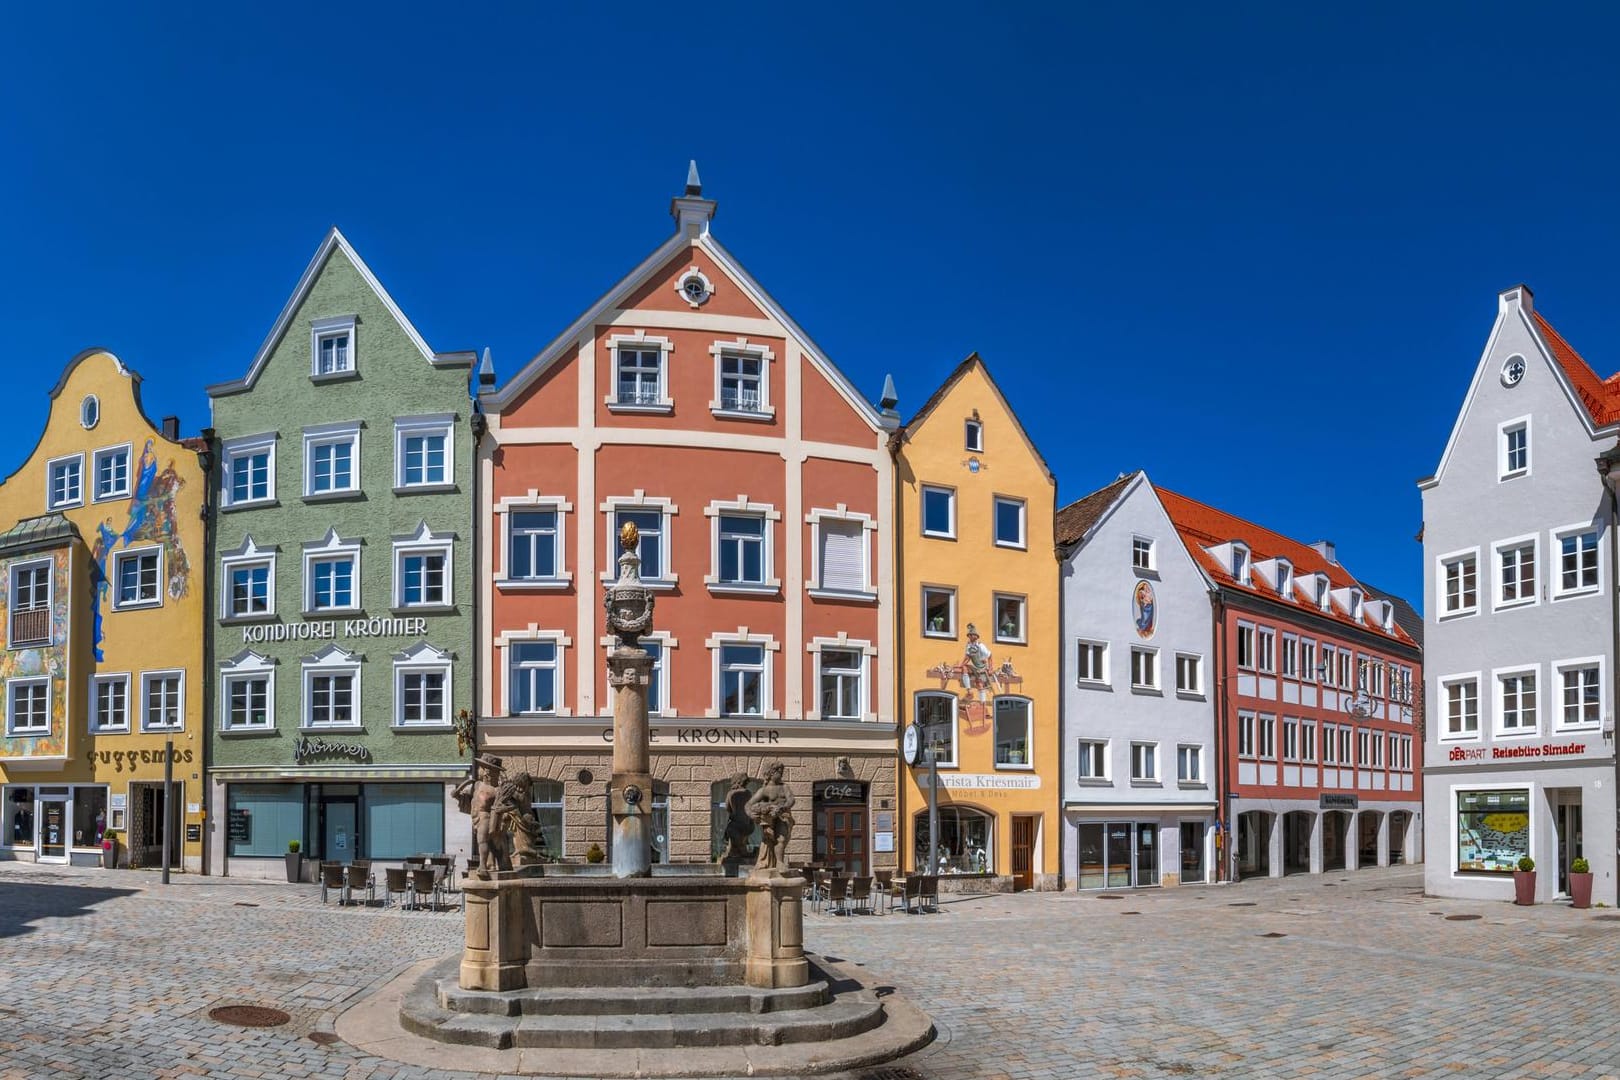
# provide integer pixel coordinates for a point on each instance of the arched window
(720, 814)
(966, 837)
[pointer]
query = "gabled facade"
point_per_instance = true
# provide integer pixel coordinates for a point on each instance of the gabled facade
(978, 628)
(688, 402)
(101, 560)
(1317, 717)
(342, 617)
(1518, 556)
(1140, 768)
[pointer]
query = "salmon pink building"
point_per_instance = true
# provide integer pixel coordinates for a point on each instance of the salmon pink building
(686, 401)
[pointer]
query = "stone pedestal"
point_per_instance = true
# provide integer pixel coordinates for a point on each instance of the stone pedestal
(630, 789)
(776, 932)
(492, 955)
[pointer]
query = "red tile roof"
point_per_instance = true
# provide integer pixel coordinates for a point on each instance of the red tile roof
(1600, 396)
(1201, 526)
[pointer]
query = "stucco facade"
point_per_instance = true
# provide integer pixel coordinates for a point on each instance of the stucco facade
(342, 621)
(104, 648)
(978, 658)
(1518, 555)
(688, 402)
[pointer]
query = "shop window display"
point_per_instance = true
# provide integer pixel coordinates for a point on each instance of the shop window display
(965, 838)
(19, 811)
(89, 816)
(1493, 830)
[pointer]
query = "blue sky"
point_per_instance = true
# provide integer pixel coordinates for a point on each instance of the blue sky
(1255, 251)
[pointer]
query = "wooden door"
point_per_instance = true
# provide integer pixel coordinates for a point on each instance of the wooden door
(845, 829)
(1023, 853)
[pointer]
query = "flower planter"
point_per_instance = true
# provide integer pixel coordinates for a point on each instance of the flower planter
(295, 867)
(109, 858)
(1580, 889)
(1524, 887)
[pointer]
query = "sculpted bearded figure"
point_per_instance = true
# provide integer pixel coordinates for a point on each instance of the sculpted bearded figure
(771, 806)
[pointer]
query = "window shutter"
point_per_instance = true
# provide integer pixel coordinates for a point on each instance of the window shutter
(842, 556)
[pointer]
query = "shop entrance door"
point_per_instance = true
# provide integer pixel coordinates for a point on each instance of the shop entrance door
(845, 828)
(1192, 852)
(1023, 853)
(339, 832)
(1568, 820)
(53, 833)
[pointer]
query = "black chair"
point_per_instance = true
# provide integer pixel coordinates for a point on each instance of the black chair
(838, 895)
(424, 882)
(358, 879)
(395, 880)
(332, 879)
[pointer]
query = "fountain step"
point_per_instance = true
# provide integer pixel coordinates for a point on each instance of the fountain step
(622, 1001)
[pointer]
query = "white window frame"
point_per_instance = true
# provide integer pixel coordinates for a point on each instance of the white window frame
(407, 427)
(322, 329)
(1307, 740)
(639, 501)
(1197, 756)
(1146, 547)
(1559, 669)
(1555, 550)
(97, 681)
(973, 435)
(333, 660)
(1242, 563)
(118, 561)
(841, 513)
(1151, 750)
(76, 499)
(1499, 677)
(332, 548)
(1443, 684)
(1290, 738)
(1028, 764)
(1265, 650)
(922, 510)
(1307, 659)
(150, 677)
(767, 688)
(1152, 656)
(31, 732)
(742, 347)
(1247, 722)
(247, 446)
(956, 722)
(1197, 689)
(949, 631)
(1498, 580)
(247, 556)
(332, 435)
(423, 659)
(247, 666)
(1266, 732)
(996, 501)
(661, 705)
(103, 454)
(1022, 637)
(544, 504)
(1093, 748)
(425, 542)
(1289, 668)
(1102, 648)
(1284, 575)
(50, 600)
(505, 644)
(640, 341)
(1237, 647)
(741, 507)
(865, 650)
(1503, 472)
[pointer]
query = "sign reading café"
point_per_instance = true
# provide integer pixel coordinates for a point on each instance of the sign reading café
(330, 629)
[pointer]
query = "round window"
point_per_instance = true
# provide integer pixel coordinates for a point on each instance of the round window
(89, 411)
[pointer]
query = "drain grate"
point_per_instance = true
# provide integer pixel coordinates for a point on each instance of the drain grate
(1462, 918)
(1242, 903)
(1130, 913)
(324, 1038)
(893, 1073)
(1273, 933)
(243, 903)
(248, 1016)
(1109, 896)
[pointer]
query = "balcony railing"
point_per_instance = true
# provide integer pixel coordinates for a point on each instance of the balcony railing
(31, 627)
(638, 396)
(740, 399)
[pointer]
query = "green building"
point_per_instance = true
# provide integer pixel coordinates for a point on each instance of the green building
(342, 606)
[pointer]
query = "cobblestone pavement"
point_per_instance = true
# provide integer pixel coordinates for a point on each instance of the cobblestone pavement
(112, 975)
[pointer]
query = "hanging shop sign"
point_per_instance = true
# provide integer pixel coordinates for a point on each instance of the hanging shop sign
(304, 749)
(331, 629)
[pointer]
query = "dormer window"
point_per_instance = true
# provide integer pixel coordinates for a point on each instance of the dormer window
(1285, 579)
(1355, 604)
(1240, 563)
(332, 348)
(973, 436)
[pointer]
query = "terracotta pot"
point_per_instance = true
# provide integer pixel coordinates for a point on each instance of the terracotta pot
(1580, 889)
(1524, 887)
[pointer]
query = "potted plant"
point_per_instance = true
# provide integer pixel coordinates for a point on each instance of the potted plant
(295, 863)
(109, 853)
(1580, 883)
(595, 854)
(1524, 882)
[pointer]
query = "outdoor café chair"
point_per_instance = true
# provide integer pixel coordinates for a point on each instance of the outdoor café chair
(395, 880)
(448, 864)
(930, 891)
(912, 893)
(883, 885)
(425, 883)
(860, 894)
(331, 878)
(838, 895)
(357, 879)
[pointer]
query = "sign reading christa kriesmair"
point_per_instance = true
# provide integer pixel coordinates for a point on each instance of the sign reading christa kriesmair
(331, 629)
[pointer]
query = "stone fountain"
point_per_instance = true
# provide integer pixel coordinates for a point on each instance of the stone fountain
(630, 957)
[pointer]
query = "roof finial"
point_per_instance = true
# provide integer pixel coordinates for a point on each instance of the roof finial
(486, 369)
(889, 399)
(694, 186)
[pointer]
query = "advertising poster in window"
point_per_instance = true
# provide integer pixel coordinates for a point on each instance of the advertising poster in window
(1493, 831)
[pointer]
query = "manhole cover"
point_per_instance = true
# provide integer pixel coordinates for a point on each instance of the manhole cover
(1461, 918)
(1109, 896)
(1273, 933)
(1608, 918)
(248, 1016)
(324, 1038)
(1242, 903)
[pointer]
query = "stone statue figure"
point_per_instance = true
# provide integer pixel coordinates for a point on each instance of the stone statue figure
(514, 812)
(771, 808)
(476, 796)
(739, 826)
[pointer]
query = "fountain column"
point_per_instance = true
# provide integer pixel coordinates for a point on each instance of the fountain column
(629, 607)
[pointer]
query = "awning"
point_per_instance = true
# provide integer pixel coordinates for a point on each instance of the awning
(1139, 808)
(341, 774)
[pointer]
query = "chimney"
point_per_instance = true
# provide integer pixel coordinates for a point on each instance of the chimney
(691, 211)
(1517, 297)
(486, 371)
(171, 428)
(1325, 549)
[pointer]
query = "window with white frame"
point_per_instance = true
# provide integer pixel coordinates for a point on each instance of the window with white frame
(1290, 656)
(1344, 745)
(1240, 564)
(1268, 737)
(248, 590)
(840, 549)
(1362, 741)
(657, 650)
(423, 451)
(332, 574)
(1091, 662)
(1189, 764)
(1307, 659)
(1290, 739)
(973, 436)
(332, 689)
(422, 575)
(162, 700)
(1346, 665)
(109, 703)
(422, 687)
(1010, 613)
(742, 379)
(939, 611)
(332, 347)
(1144, 668)
(28, 706)
(742, 680)
(1375, 678)
(1145, 761)
(534, 545)
(639, 376)
(742, 547)
(1141, 553)
(249, 466)
(1516, 572)
(1285, 579)
(1013, 733)
(939, 512)
(29, 616)
(1516, 703)
(1189, 673)
(1245, 739)
(65, 482)
(332, 460)
(1461, 696)
(1330, 657)
(1307, 741)
(1581, 682)
(1245, 646)
(1514, 458)
(842, 677)
(1093, 759)
(1265, 654)
(111, 469)
(936, 722)
(247, 701)
(652, 525)
(1330, 744)
(1009, 515)
(136, 577)
(534, 677)
(1577, 561)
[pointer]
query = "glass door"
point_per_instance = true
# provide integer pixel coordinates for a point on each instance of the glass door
(1147, 853)
(53, 831)
(1192, 852)
(1119, 854)
(339, 834)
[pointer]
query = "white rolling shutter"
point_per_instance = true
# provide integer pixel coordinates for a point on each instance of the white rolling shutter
(843, 563)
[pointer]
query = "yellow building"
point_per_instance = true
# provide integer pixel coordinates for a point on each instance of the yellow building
(979, 638)
(102, 567)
